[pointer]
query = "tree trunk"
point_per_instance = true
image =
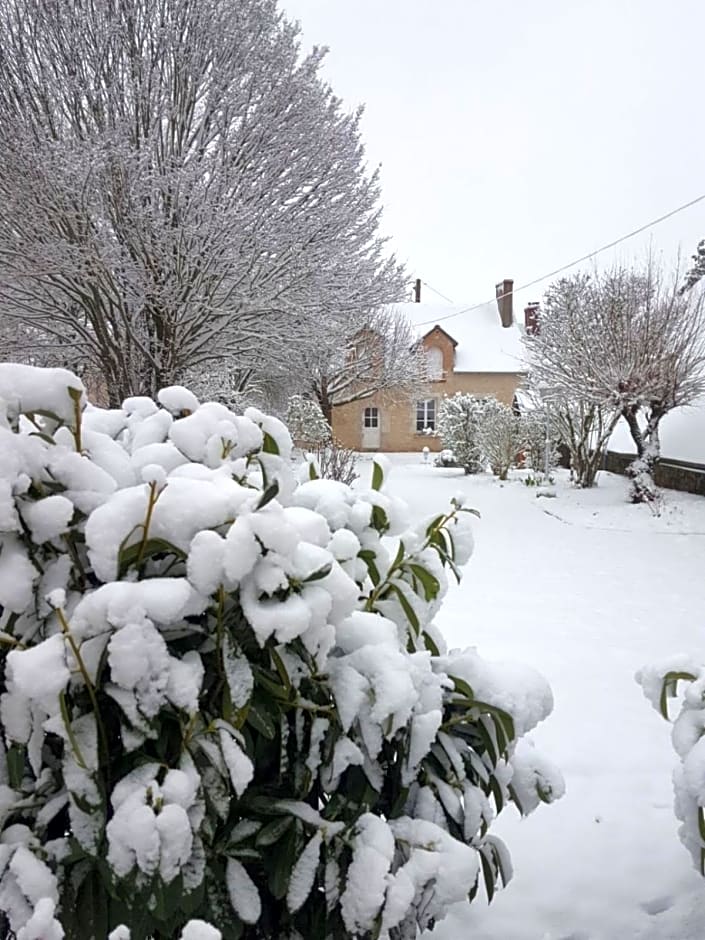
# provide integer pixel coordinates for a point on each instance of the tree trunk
(325, 402)
(648, 449)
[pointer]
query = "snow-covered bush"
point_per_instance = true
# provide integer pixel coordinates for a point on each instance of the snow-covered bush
(659, 683)
(224, 698)
(460, 417)
(333, 461)
(446, 458)
(535, 427)
(307, 425)
(501, 437)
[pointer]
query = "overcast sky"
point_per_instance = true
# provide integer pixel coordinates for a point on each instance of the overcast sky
(517, 135)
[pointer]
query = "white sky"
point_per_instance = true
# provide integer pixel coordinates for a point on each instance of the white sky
(517, 135)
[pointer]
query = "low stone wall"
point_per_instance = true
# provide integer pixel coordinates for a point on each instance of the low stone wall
(672, 474)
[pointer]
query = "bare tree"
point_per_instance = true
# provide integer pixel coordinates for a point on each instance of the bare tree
(178, 187)
(346, 359)
(629, 342)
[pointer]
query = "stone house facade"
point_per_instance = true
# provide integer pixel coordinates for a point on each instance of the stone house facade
(476, 350)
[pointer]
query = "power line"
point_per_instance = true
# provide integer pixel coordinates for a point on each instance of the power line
(571, 264)
(426, 284)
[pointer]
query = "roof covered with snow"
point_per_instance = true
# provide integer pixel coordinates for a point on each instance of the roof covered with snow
(484, 345)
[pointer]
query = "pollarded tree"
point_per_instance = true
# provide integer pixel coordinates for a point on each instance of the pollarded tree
(501, 436)
(178, 188)
(460, 418)
(625, 340)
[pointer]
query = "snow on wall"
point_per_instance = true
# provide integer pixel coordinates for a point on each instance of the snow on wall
(682, 435)
(484, 345)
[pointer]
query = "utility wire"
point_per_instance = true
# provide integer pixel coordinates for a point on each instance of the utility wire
(426, 284)
(571, 264)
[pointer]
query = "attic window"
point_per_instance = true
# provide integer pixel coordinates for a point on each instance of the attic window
(434, 361)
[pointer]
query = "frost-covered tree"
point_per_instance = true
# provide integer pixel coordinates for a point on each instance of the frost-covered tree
(178, 187)
(460, 418)
(501, 436)
(584, 428)
(306, 423)
(627, 341)
(350, 358)
(223, 696)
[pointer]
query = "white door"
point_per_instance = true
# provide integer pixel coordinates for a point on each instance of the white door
(370, 429)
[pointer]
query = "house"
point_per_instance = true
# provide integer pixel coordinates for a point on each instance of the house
(476, 350)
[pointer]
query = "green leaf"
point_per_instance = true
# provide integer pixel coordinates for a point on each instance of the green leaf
(488, 874)
(320, 574)
(669, 688)
(701, 823)
(380, 522)
(281, 668)
(370, 559)
(283, 862)
(268, 495)
(15, 765)
(269, 445)
(462, 687)
(409, 611)
(431, 584)
(430, 644)
(377, 476)
(399, 555)
(274, 830)
(258, 719)
(312, 474)
(153, 546)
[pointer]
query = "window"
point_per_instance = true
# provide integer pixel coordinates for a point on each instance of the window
(425, 415)
(434, 363)
(371, 418)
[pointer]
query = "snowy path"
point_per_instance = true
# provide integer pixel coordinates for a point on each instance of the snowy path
(587, 606)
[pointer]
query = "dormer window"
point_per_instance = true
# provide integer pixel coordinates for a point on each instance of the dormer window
(434, 360)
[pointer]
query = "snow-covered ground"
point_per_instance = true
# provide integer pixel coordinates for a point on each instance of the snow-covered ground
(585, 588)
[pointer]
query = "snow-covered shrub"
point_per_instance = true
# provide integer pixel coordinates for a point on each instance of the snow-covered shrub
(659, 683)
(446, 458)
(535, 426)
(224, 698)
(306, 422)
(460, 417)
(333, 461)
(501, 437)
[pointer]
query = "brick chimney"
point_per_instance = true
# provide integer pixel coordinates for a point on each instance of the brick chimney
(505, 302)
(531, 318)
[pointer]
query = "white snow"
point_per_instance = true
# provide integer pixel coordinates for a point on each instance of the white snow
(243, 892)
(586, 589)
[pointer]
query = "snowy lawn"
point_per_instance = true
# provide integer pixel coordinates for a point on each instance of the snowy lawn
(586, 589)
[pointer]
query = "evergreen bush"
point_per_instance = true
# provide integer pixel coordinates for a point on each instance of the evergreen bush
(224, 698)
